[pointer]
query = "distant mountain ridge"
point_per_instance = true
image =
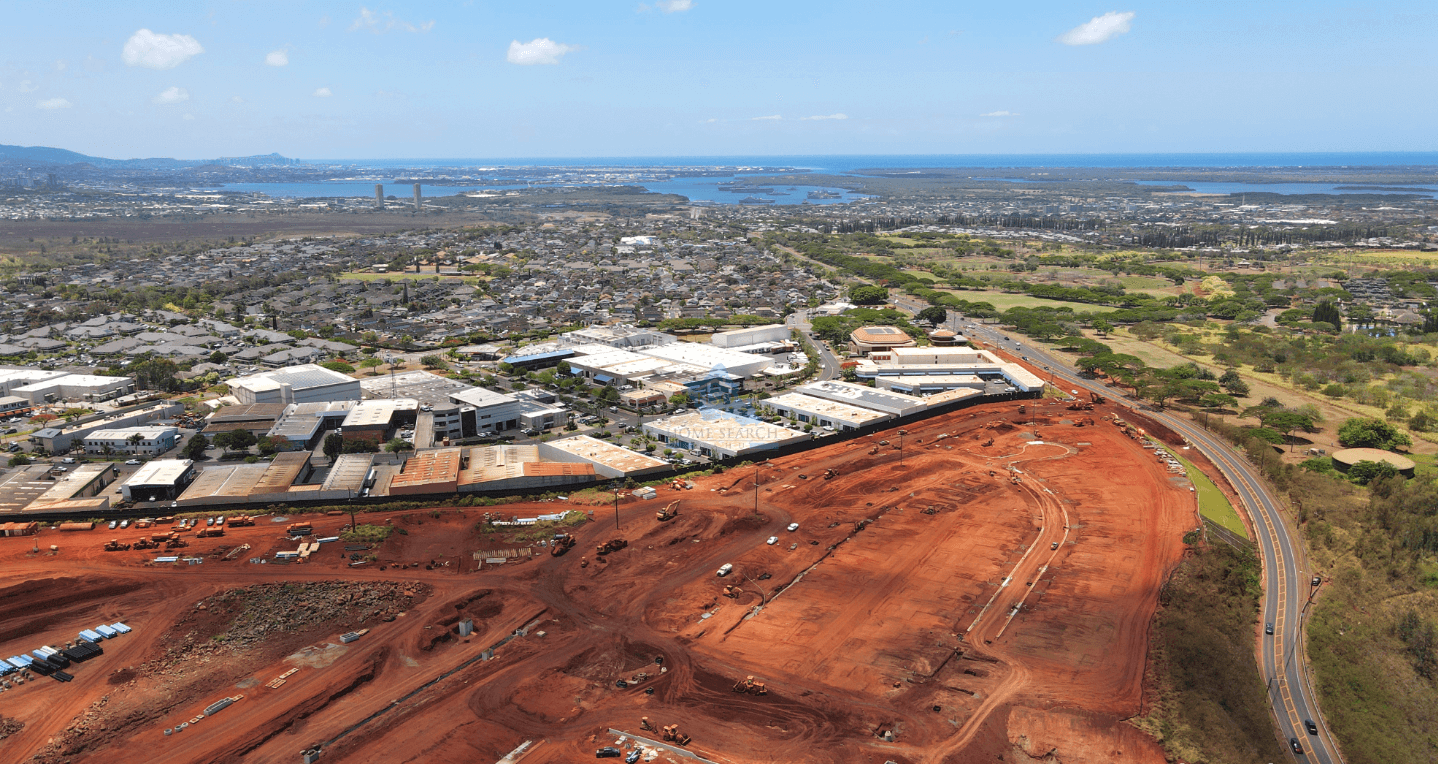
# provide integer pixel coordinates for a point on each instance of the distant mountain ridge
(37, 156)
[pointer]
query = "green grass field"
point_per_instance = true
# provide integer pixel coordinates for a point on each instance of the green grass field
(1004, 300)
(1212, 504)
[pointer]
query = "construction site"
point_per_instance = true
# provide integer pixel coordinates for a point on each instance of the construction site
(977, 586)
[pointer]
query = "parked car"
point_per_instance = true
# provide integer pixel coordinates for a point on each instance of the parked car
(608, 752)
(793, 527)
(132, 462)
(772, 540)
(725, 569)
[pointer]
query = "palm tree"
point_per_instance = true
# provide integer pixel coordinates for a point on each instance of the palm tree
(106, 450)
(135, 441)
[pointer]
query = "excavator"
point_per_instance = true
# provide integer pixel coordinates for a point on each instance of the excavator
(645, 725)
(751, 687)
(562, 543)
(669, 512)
(732, 592)
(830, 474)
(988, 443)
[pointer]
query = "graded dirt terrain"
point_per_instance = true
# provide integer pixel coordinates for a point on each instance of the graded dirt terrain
(982, 595)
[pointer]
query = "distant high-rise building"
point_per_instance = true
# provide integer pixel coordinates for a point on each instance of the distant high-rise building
(379, 196)
(418, 205)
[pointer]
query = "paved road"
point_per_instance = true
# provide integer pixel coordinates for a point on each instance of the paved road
(828, 362)
(1287, 589)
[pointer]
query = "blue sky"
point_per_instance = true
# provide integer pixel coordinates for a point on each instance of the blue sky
(715, 77)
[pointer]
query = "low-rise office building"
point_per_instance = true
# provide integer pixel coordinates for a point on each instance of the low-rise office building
(139, 441)
(302, 426)
(953, 362)
(753, 335)
(870, 338)
(376, 420)
(487, 412)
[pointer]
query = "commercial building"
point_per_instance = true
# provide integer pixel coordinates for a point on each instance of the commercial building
(13, 378)
(886, 401)
(753, 335)
(720, 434)
(302, 426)
(925, 384)
(306, 383)
(256, 418)
(434, 471)
(867, 339)
(822, 412)
(607, 459)
(85, 481)
(517, 468)
(486, 412)
(58, 440)
(75, 387)
(140, 441)
(709, 358)
(376, 420)
(14, 405)
(947, 367)
(616, 336)
(160, 480)
(649, 396)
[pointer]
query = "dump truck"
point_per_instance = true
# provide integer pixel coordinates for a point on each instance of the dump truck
(612, 545)
(563, 542)
(669, 512)
(205, 533)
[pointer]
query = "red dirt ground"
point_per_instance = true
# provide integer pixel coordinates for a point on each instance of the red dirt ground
(926, 600)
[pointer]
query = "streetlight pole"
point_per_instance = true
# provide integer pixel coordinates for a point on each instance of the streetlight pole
(756, 488)
(902, 433)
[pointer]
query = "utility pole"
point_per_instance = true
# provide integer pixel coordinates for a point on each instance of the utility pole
(756, 488)
(902, 433)
(614, 486)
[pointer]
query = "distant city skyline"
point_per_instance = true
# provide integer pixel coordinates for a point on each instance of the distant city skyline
(327, 79)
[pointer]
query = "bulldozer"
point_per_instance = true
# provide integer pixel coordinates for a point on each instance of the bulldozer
(873, 450)
(1023, 410)
(175, 542)
(612, 545)
(751, 687)
(145, 543)
(673, 735)
(668, 513)
(114, 545)
(562, 543)
(830, 474)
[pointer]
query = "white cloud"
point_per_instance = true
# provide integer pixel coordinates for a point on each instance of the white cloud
(277, 58)
(26, 86)
(1098, 29)
(54, 103)
(828, 116)
(172, 95)
(379, 23)
(159, 51)
(323, 93)
(669, 6)
(541, 50)
(189, 117)
(236, 99)
(769, 118)
(999, 114)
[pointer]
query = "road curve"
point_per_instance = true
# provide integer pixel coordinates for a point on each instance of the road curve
(1287, 591)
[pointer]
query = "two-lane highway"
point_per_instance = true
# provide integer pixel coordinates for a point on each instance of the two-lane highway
(1287, 588)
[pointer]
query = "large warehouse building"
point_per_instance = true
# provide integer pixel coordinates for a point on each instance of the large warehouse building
(306, 383)
(719, 434)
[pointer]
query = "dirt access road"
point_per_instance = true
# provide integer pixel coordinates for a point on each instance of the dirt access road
(989, 596)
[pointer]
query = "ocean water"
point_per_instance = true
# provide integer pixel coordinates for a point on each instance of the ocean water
(710, 188)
